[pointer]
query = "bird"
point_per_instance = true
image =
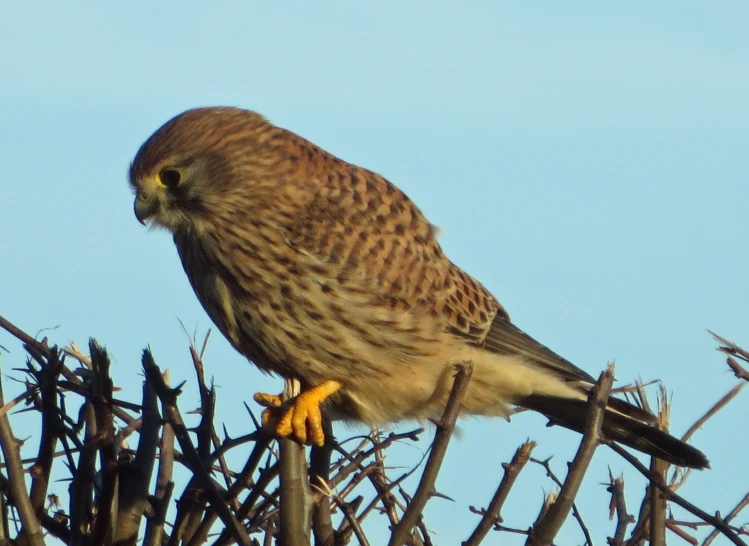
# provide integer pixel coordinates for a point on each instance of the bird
(324, 272)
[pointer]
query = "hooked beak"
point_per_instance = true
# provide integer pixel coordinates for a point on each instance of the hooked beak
(145, 207)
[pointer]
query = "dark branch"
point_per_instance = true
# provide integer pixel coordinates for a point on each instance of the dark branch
(546, 529)
(491, 516)
(439, 447)
(296, 498)
(135, 478)
(319, 466)
(52, 426)
(618, 507)
(656, 480)
(12, 455)
(743, 503)
(101, 399)
(733, 350)
(168, 399)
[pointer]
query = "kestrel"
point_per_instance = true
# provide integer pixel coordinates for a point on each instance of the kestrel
(318, 270)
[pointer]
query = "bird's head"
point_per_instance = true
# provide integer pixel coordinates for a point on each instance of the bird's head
(192, 165)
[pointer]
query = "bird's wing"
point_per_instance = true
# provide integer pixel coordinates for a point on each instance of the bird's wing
(503, 337)
(373, 239)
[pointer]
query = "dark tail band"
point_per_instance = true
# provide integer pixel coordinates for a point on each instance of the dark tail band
(643, 437)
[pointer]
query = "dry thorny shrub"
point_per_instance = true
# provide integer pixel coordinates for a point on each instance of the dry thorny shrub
(277, 496)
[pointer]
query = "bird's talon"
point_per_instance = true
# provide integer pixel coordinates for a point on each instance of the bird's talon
(269, 419)
(283, 426)
(268, 400)
(303, 419)
(274, 411)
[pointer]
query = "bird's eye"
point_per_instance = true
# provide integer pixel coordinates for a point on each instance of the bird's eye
(170, 177)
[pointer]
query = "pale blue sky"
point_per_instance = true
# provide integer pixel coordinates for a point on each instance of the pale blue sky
(588, 163)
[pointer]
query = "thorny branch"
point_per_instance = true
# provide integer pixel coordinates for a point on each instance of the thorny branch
(491, 516)
(618, 507)
(168, 398)
(295, 501)
(445, 428)
(111, 501)
(732, 350)
(546, 464)
(32, 532)
(546, 529)
(658, 481)
(743, 503)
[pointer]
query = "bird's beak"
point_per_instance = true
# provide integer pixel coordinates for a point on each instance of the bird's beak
(145, 206)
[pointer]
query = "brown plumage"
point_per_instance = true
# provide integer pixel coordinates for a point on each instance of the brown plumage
(322, 271)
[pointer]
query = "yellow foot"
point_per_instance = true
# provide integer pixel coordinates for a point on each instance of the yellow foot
(303, 418)
(274, 405)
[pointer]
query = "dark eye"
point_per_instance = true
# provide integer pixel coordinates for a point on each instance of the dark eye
(170, 177)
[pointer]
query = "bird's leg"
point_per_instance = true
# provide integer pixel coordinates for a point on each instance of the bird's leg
(274, 409)
(303, 418)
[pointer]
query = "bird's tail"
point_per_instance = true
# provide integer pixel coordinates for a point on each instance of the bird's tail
(623, 423)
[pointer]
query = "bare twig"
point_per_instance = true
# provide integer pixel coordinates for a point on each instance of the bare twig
(37, 348)
(743, 503)
(659, 467)
(296, 501)
(47, 378)
(575, 512)
(243, 480)
(194, 505)
(355, 460)
(166, 454)
(733, 350)
(101, 399)
(248, 507)
(719, 405)
(354, 522)
(549, 499)
(680, 475)
(384, 494)
(82, 486)
(322, 524)
(618, 507)
(24, 337)
(546, 529)
(491, 515)
(154, 533)
(12, 455)
(190, 509)
(656, 480)
(135, 479)
(168, 398)
(101, 500)
(295, 495)
(205, 429)
(657, 514)
(445, 428)
(30, 391)
(678, 531)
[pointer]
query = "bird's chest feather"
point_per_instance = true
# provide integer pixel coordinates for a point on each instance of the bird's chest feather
(289, 313)
(266, 303)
